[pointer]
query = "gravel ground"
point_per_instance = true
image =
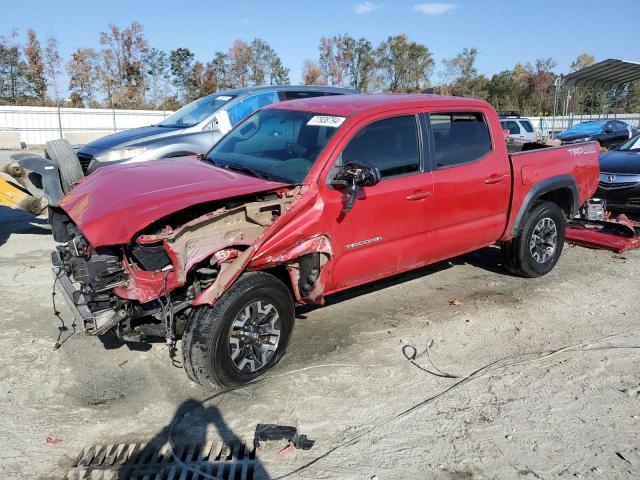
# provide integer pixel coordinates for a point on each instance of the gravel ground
(562, 401)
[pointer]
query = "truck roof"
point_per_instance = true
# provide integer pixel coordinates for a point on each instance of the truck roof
(349, 105)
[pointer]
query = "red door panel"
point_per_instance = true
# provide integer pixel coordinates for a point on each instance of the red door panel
(386, 230)
(471, 200)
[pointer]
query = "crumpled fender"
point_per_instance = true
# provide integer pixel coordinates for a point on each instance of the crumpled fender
(287, 239)
(319, 244)
(229, 272)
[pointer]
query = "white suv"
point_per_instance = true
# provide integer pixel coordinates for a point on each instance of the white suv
(520, 128)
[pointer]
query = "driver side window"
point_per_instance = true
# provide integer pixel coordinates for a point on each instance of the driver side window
(391, 145)
(249, 105)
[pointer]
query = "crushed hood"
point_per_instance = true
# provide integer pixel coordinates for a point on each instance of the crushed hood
(114, 203)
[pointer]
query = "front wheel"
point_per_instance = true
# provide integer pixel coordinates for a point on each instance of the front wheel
(538, 245)
(242, 335)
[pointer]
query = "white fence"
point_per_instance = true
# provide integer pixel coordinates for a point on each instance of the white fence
(37, 125)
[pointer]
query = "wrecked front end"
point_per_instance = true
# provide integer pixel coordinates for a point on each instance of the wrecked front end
(146, 288)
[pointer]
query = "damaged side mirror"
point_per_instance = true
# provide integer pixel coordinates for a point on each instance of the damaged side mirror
(353, 175)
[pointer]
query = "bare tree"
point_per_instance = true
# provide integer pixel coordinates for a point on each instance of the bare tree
(83, 70)
(122, 64)
(220, 69)
(240, 63)
(52, 65)
(311, 73)
(12, 68)
(335, 55)
(181, 64)
(156, 71)
(460, 75)
(36, 81)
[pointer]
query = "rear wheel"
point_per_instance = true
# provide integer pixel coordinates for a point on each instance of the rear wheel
(537, 248)
(241, 336)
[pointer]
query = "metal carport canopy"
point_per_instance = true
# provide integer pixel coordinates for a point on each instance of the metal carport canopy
(606, 74)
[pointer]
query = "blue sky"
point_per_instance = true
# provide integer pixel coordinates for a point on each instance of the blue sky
(505, 32)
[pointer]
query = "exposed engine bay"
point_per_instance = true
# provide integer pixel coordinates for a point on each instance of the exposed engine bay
(147, 287)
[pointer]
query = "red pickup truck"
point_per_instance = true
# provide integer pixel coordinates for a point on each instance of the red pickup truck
(301, 200)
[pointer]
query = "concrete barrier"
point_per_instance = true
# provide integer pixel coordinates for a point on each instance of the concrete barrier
(81, 138)
(10, 140)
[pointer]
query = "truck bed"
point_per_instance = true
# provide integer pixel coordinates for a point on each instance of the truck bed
(532, 170)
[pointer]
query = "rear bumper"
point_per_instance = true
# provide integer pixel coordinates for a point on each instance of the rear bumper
(62, 280)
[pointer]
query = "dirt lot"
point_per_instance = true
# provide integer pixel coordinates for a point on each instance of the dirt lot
(537, 413)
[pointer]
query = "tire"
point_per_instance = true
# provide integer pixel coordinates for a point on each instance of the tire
(529, 256)
(208, 348)
(61, 152)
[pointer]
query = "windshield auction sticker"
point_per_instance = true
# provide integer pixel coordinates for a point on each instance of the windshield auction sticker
(325, 121)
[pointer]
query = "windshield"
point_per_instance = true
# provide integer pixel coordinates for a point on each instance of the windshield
(633, 144)
(195, 112)
(275, 144)
(586, 127)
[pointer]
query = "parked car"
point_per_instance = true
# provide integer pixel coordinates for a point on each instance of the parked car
(620, 177)
(520, 128)
(605, 132)
(194, 128)
(301, 200)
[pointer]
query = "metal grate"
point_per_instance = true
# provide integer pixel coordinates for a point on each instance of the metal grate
(137, 461)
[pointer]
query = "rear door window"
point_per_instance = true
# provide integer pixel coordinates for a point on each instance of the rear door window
(514, 128)
(295, 94)
(459, 137)
(249, 105)
(391, 145)
(527, 126)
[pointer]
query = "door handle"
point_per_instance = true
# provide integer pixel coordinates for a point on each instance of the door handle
(419, 195)
(495, 178)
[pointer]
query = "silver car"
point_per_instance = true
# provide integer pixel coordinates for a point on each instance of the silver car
(194, 128)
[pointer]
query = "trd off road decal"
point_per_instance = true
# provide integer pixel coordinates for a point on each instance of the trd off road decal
(582, 150)
(362, 243)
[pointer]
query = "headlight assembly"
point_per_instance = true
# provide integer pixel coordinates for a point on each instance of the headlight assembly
(120, 155)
